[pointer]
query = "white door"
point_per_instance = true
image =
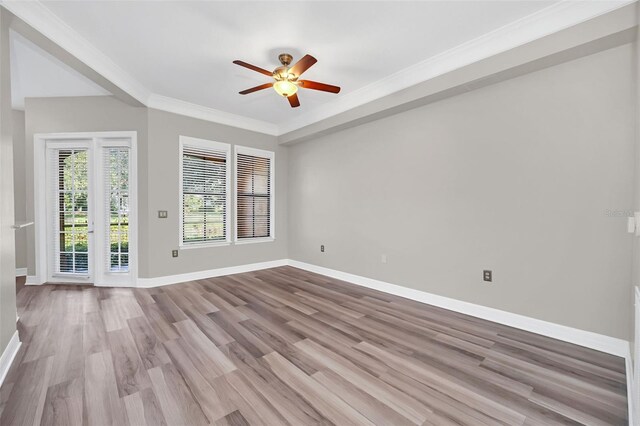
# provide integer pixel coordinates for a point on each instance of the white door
(69, 202)
(114, 206)
(89, 206)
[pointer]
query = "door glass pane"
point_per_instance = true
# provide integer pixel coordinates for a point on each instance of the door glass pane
(71, 218)
(116, 169)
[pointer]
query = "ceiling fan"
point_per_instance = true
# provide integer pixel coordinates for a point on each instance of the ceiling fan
(287, 78)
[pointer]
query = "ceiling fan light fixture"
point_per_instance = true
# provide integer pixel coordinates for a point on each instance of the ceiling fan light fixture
(285, 88)
(287, 79)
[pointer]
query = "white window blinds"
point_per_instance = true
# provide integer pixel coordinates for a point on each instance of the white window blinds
(116, 192)
(69, 192)
(254, 193)
(205, 191)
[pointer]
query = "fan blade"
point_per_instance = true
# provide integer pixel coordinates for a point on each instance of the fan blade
(302, 65)
(293, 100)
(308, 84)
(253, 67)
(255, 89)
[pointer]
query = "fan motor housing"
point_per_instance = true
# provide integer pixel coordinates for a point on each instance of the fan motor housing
(285, 59)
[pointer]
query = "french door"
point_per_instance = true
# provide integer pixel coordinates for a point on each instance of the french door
(89, 209)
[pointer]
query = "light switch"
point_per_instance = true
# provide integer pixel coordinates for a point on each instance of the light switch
(162, 214)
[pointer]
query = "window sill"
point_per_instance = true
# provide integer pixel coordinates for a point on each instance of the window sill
(204, 245)
(254, 240)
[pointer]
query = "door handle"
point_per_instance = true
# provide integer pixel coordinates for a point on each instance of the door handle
(21, 225)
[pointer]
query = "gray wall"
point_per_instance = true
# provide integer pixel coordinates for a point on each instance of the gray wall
(19, 177)
(158, 162)
(517, 177)
(164, 131)
(82, 114)
(7, 245)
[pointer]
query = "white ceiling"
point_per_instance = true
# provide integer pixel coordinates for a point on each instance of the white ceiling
(177, 55)
(36, 73)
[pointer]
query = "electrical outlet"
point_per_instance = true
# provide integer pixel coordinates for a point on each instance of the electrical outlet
(322, 248)
(162, 214)
(487, 275)
(174, 253)
(383, 258)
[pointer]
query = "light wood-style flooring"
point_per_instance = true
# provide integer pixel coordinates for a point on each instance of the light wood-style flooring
(285, 346)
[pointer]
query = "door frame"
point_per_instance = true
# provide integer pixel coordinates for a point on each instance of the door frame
(42, 274)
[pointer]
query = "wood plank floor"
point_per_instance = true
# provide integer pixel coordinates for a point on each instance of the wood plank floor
(284, 346)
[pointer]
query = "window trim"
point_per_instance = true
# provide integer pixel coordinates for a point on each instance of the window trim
(189, 141)
(239, 149)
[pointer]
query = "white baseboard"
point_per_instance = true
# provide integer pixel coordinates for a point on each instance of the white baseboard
(632, 398)
(21, 272)
(33, 280)
(633, 368)
(588, 339)
(201, 275)
(8, 355)
(189, 276)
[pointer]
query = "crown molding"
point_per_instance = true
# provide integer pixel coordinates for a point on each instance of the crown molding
(189, 109)
(557, 17)
(554, 18)
(39, 17)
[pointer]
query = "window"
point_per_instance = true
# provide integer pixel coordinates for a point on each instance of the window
(254, 194)
(204, 197)
(116, 181)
